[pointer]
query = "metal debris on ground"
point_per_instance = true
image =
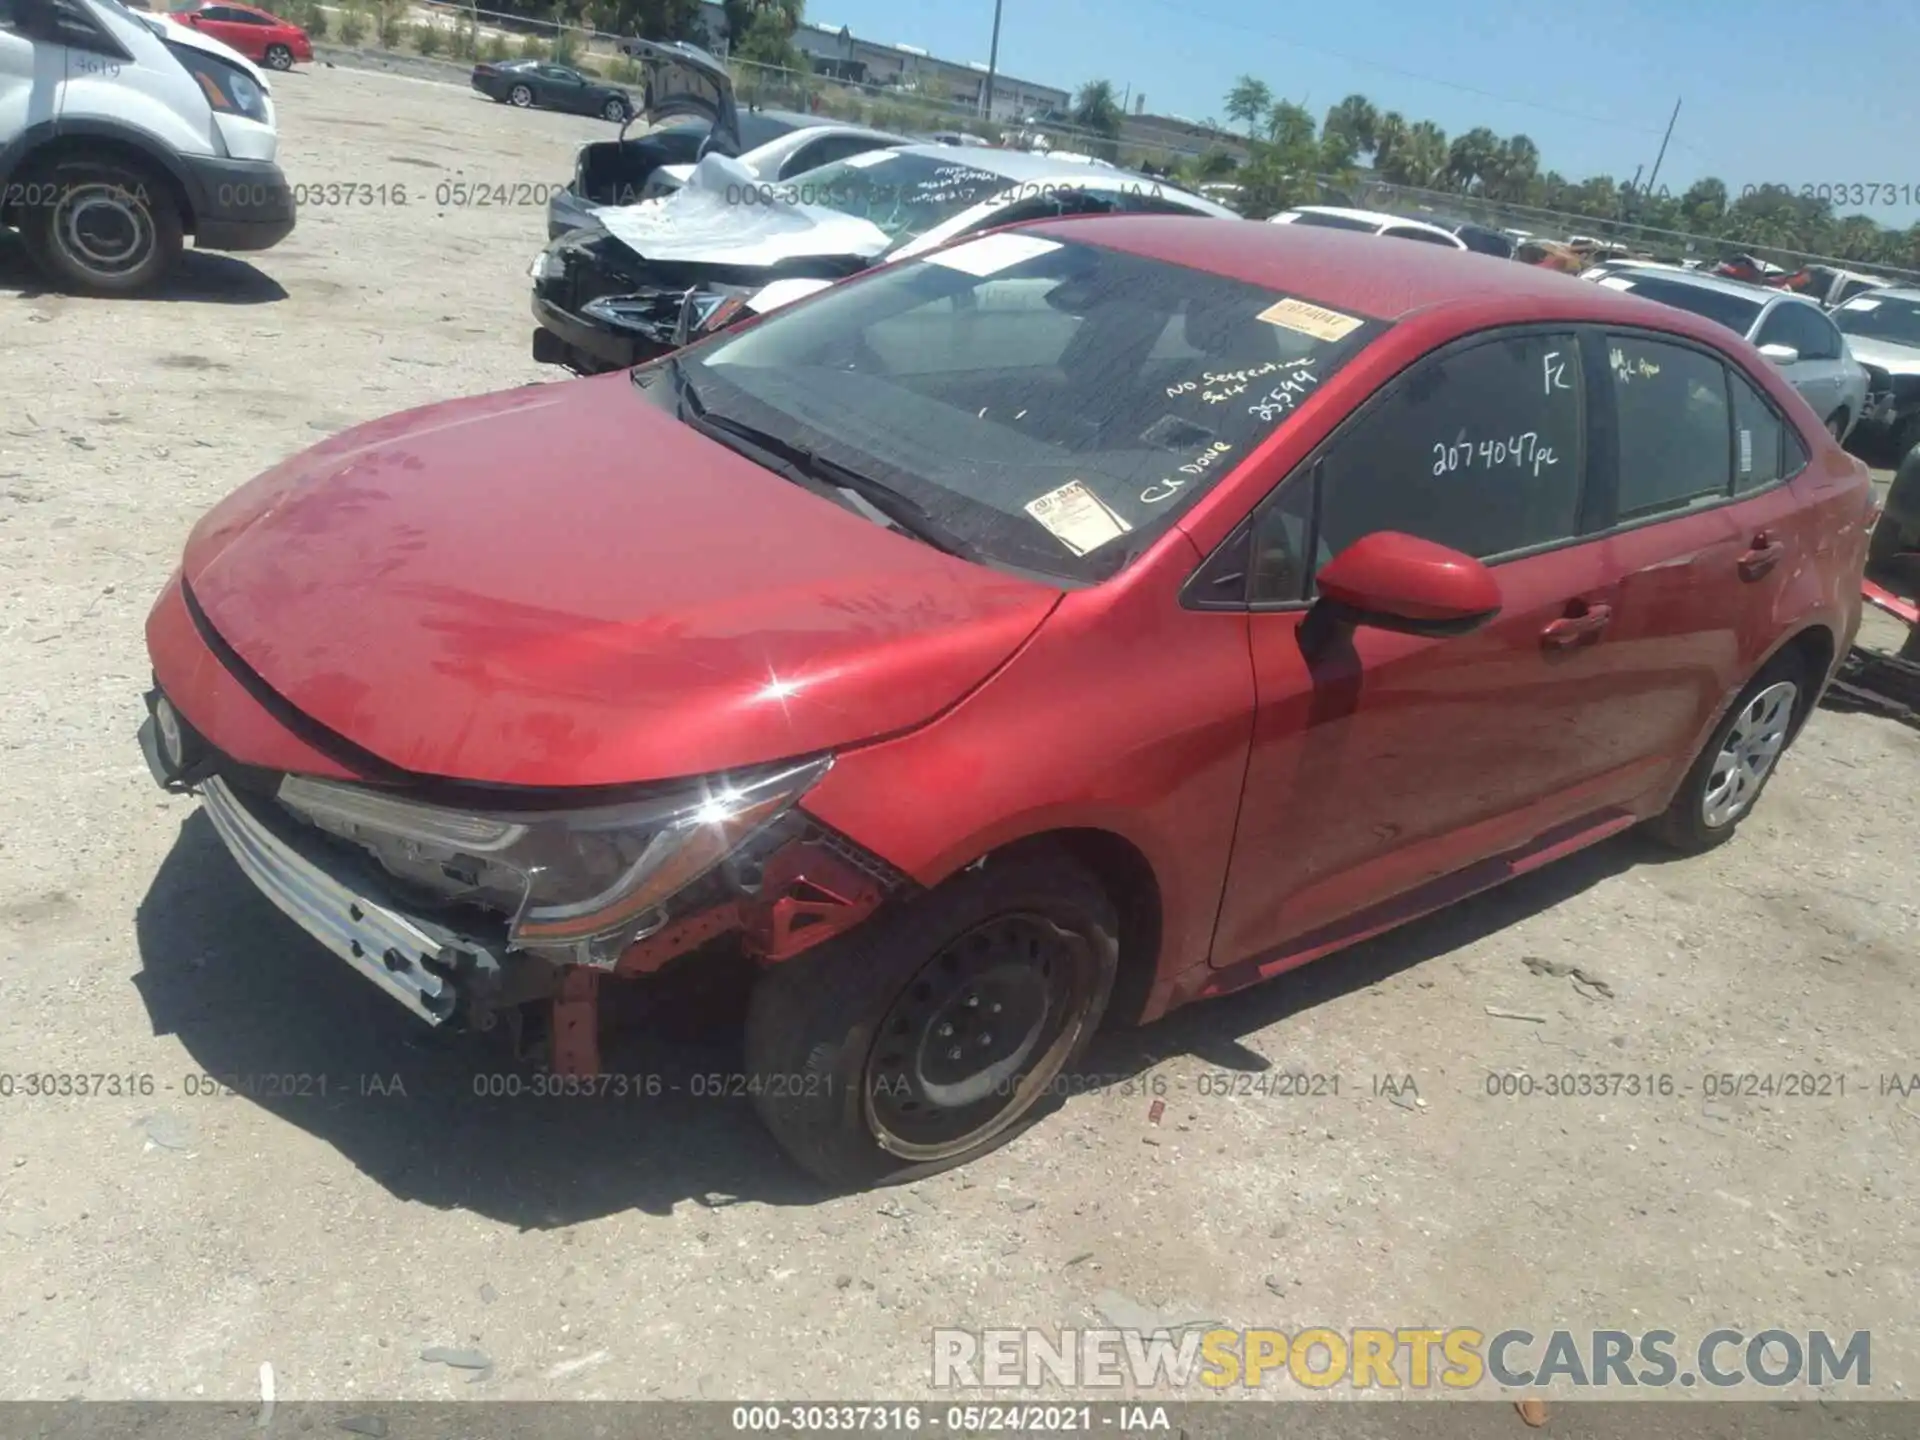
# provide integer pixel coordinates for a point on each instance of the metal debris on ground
(1497, 1013)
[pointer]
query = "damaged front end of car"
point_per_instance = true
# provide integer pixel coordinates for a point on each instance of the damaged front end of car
(472, 909)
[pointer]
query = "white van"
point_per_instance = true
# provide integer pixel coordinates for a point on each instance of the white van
(122, 133)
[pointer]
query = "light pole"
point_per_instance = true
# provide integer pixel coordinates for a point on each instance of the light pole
(993, 60)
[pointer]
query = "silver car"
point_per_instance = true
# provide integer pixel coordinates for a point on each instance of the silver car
(1790, 330)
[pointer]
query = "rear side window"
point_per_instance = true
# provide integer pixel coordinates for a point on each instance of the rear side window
(1479, 449)
(1671, 406)
(1766, 449)
(1408, 232)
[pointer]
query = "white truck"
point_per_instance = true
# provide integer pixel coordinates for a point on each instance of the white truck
(121, 134)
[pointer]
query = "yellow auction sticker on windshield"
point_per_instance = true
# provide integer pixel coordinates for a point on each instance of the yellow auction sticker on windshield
(1077, 518)
(1314, 320)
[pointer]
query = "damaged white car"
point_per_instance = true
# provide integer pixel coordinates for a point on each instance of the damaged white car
(646, 278)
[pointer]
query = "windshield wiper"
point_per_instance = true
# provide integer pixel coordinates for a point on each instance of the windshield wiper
(817, 473)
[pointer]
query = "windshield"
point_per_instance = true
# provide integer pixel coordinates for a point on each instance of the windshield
(1881, 317)
(905, 195)
(1053, 405)
(1736, 312)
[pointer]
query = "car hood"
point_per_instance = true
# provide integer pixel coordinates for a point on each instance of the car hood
(561, 585)
(1894, 359)
(723, 216)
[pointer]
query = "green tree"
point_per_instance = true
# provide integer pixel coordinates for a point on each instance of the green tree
(1473, 159)
(1351, 130)
(769, 42)
(1388, 136)
(1097, 108)
(659, 19)
(1249, 102)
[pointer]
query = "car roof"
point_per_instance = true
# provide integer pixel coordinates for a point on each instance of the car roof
(1345, 270)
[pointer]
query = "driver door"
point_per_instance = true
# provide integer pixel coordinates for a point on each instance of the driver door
(1386, 769)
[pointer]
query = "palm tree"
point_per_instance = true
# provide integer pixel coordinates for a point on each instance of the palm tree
(1097, 108)
(1472, 158)
(1355, 122)
(1425, 154)
(1515, 164)
(1389, 134)
(1249, 101)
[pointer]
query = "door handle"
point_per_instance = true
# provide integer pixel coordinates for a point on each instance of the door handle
(1572, 629)
(1764, 554)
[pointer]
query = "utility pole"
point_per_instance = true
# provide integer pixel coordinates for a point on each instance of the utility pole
(1663, 147)
(993, 62)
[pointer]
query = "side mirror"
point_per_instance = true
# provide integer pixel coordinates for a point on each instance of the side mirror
(1780, 354)
(1391, 581)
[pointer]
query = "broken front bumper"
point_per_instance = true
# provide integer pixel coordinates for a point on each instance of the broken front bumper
(428, 967)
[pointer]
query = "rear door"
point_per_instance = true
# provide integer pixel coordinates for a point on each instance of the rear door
(231, 26)
(1703, 532)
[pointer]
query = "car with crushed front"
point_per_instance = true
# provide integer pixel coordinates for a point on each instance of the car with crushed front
(646, 278)
(1043, 632)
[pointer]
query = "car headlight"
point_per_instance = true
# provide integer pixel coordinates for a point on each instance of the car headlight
(228, 88)
(580, 885)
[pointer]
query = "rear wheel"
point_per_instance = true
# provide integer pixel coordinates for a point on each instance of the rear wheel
(615, 110)
(279, 57)
(113, 227)
(1727, 779)
(521, 96)
(937, 1033)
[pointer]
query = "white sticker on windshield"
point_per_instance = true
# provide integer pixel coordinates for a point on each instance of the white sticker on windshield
(1861, 305)
(1314, 320)
(1077, 518)
(866, 158)
(1746, 452)
(1615, 282)
(991, 254)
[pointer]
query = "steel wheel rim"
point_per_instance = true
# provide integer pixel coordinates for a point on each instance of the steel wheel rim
(1748, 754)
(520, 96)
(615, 111)
(977, 1036)
(103, 227)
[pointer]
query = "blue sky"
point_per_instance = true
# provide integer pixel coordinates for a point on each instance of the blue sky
(1774, 91)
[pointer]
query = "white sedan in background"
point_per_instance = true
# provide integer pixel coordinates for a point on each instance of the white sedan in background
(1371, 222)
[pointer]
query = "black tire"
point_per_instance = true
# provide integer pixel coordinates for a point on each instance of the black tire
(114, 227)
(1687, 824)
(279, 57)
(614, 110)
(1040, 935)
(520, 96)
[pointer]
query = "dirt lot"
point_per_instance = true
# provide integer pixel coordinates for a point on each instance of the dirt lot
(167, 1246)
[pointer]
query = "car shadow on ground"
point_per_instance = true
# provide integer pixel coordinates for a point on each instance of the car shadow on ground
(268, 1012)
(202, 277)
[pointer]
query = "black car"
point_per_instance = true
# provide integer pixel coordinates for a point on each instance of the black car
(548, 86)
(1483, 241)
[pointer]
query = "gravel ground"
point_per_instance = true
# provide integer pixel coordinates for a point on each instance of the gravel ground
(167, 1246)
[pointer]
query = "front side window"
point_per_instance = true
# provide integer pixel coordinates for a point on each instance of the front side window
(1054, 404)
(1480, 449)
(1412, 232)
(1671, 411)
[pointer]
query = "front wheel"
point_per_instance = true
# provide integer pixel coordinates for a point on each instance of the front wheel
(1726, 780)
(521, 96)
(279, 57)
(111, 229)
(933, 1035)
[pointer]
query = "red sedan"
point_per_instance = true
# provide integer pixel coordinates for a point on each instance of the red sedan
(255, 33)
(1077, 621)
